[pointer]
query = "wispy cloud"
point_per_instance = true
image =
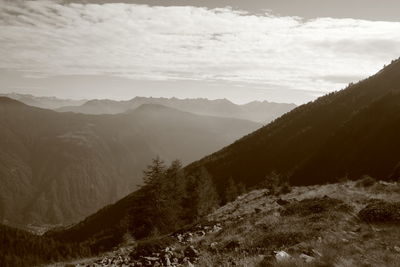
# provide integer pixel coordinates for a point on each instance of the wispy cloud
(47, 38)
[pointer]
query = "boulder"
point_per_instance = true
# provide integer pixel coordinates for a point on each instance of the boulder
(307, 258)
(191, 252)
(214, 246)
(232, 245)
(282, 256)
(282, 202)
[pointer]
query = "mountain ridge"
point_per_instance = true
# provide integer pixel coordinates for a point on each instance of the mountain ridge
(257, 111)
(286, 144)
(41, 152)
(46, 102)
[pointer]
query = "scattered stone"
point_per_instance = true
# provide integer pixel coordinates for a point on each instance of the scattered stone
(233, 245)
(307, 258)
(191, 252)
(187, 263)
(316, 252)
(151, 258)
(214, 246)
(216, 228)
(201, 233)
(282, 202)
(282, 256)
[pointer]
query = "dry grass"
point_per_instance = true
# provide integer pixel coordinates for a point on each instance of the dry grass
(320, 221)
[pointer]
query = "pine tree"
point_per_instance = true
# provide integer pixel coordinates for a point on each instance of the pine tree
(231, 191)
(153, 182)
(202, 195)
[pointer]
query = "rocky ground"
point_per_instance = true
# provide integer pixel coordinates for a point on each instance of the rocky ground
(344, 224)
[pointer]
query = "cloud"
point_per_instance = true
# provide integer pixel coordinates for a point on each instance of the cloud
(46, 38)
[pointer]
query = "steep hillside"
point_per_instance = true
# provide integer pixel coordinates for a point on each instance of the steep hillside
(344, 224)
(349, 133)
(262, 112)
(21, 248)
(169, 200)
(60, 167)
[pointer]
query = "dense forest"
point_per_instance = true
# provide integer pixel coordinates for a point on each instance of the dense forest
(168, 200)
(22, 248)
(348, 133)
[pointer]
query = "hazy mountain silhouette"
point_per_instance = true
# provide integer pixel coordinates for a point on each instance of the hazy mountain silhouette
(344, 134)
(60, 167)
(44, 101)
(262, 112)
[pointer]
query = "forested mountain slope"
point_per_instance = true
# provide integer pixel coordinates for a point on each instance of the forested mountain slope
(344, 134)
(60, 167)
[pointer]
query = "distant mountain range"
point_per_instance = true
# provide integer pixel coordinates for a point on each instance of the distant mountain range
(44, 101)
(60, 167)
(262, 112)
(257, 111)
(345, 134)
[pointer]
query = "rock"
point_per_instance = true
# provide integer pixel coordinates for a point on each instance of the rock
(167, 261)
(187, 263)
(216, 228)
(397, 249)
(257, 210)
(201, 233)
(307, 258)
(233, 245)
(316, 252)
(151, 258)
(282, 256)
(214, 246)
(191, 252)
(282, 202)
(180, 238)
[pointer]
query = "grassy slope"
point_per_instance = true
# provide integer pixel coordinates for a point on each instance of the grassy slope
(320, 221)
(333, 234)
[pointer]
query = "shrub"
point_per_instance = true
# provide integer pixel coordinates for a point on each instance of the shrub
(380, 211)
(366, 181)
(281, 239)
(285, 188)
(276, 184)
(312, 206)
(149, 246)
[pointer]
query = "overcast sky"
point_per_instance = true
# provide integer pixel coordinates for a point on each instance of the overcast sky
(273, 50)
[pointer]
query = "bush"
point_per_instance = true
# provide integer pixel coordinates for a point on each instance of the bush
(366, 181)
(312, 206)
(281, 239)
(276, 184)
(149, 246)
(380, 211)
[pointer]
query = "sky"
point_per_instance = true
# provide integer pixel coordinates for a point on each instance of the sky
(283, 51)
